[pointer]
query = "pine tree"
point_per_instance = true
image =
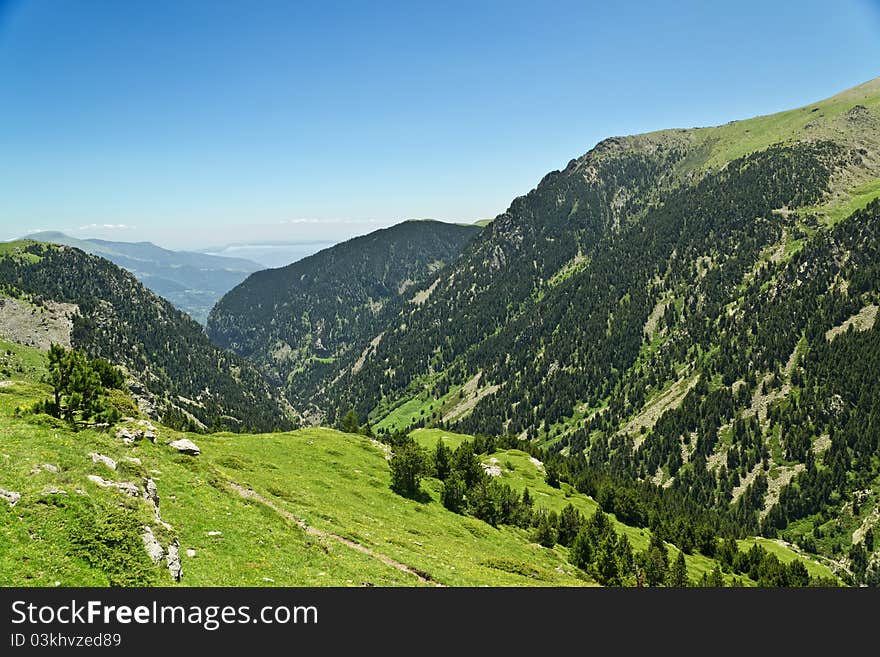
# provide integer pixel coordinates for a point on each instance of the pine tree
(570, 521)
(453, 493)
(678, 572)
(545, 532)
(350, 422)
(408, 464)
(441, 460)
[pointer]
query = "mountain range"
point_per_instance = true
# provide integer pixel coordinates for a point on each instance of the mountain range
(676, 331)
(192, 281)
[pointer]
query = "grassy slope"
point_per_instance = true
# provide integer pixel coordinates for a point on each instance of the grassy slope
(335, 482)
(738, 138)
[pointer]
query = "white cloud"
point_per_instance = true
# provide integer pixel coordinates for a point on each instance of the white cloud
(329, 221)
(106, 227)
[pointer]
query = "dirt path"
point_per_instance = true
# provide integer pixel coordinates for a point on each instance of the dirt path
(249, 494)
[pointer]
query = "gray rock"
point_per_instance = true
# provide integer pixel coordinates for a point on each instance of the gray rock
(151, 492)
(152, 546)
(190, 553)
(133, 459)
(10, 496)
(100, 458)
(215, 533)
(52, 490)
(173, 561)
(186, 446)
(45, 467)
(126, 435)
(128, 488)
(125, 486)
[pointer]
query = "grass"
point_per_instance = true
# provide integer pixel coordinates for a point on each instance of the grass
(834, 211)
(16, 250)
(335, 482)
(785, 555)
(739, 138)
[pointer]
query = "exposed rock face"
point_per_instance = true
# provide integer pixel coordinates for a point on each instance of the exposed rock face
(37, 325)
(100, 458)
(186, 446)
(10, 496)
(144, 431)
(173, 561)
(151, 493)
(152, 546)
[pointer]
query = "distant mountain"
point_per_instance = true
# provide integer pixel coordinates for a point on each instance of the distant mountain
(303, 316)
(192, 281)
(270, 254)
(58, 293)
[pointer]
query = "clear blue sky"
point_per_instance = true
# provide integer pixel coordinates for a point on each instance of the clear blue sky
(197, 123)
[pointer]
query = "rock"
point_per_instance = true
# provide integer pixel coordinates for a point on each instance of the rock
(151, 492)
(100, 458)
(186, 446)
(215, 533)
(190, 553)
(10, 496)
(129, 488)
(45, 467)
(133, 459)
(52, 490)
(125, 486)
(152, 546)
(493, 470)
(126, 434)
(100, 481)
(268, 579)
(173, 561)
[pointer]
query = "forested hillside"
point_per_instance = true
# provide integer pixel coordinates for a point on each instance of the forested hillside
(192, 281)
(686, 317)
(63, 295)
(294, 322)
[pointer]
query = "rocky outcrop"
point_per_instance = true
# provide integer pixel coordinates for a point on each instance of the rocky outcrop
(144, 431)
(186, 446)
(173, 561)
(10, 496)
(152, 545)
(124, 486)
(44, 467)
(100, 458)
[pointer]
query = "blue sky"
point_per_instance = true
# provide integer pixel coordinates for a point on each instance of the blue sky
(198, 123)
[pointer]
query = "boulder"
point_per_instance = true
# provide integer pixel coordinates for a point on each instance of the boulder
(100, 458)
(186, 446)
(10, 496)
(152, 546)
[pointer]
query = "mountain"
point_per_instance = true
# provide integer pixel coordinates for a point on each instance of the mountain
(192, 281)
(686, 315)
(55, 293)
(302, 317)
(270, 254)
